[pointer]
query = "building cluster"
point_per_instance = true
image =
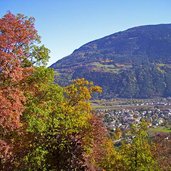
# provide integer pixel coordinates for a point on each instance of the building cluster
(123, 118)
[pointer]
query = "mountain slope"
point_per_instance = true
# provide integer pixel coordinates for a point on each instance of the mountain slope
(131, 63)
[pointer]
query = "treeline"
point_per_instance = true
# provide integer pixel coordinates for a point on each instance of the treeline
(47, 127)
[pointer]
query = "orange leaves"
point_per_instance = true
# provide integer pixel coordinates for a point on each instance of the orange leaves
(11, 107)
(17, 33)
(99, 137)
(22, 32)
(4, 150)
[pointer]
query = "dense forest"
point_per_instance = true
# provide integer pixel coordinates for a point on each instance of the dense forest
(130, 83)
(44, 126)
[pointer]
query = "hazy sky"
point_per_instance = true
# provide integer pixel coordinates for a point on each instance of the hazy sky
(65, 25)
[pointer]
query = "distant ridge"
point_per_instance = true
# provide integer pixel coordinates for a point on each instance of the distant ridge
(132, 63)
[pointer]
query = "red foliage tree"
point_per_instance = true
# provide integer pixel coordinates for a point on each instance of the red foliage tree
(162, 150)
(17, 34)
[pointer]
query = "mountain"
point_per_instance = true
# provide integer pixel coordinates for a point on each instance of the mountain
(135, 63)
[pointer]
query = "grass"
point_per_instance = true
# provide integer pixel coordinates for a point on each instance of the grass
(105, 67)
(160, 130)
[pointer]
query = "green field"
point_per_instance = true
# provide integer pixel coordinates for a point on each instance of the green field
(160, 130)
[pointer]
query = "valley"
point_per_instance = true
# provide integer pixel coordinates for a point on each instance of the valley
(122, 113)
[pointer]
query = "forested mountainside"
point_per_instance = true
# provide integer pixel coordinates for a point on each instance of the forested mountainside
(135, 63)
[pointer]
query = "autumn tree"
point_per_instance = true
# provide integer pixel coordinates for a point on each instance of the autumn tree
(162, 150)
(19, 51)
(60, 125)
(40, 119)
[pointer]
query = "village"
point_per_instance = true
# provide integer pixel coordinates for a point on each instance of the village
(123, 113)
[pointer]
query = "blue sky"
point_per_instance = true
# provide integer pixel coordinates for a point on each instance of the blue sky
(65, 25)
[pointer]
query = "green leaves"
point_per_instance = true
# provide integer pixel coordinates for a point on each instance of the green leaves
(137, 154)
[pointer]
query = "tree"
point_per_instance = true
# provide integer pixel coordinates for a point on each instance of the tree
(41, 120)
(71, 149)
(59, 123)
(137, 153)
(162, 150)
(18, 53)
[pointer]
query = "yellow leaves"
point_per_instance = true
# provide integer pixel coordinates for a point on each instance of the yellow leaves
(82, 81)
(81, 90)
(117, 134)
(76, 106)
(97, 89)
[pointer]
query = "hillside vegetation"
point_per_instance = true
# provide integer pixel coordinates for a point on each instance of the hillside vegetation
(133, 63)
